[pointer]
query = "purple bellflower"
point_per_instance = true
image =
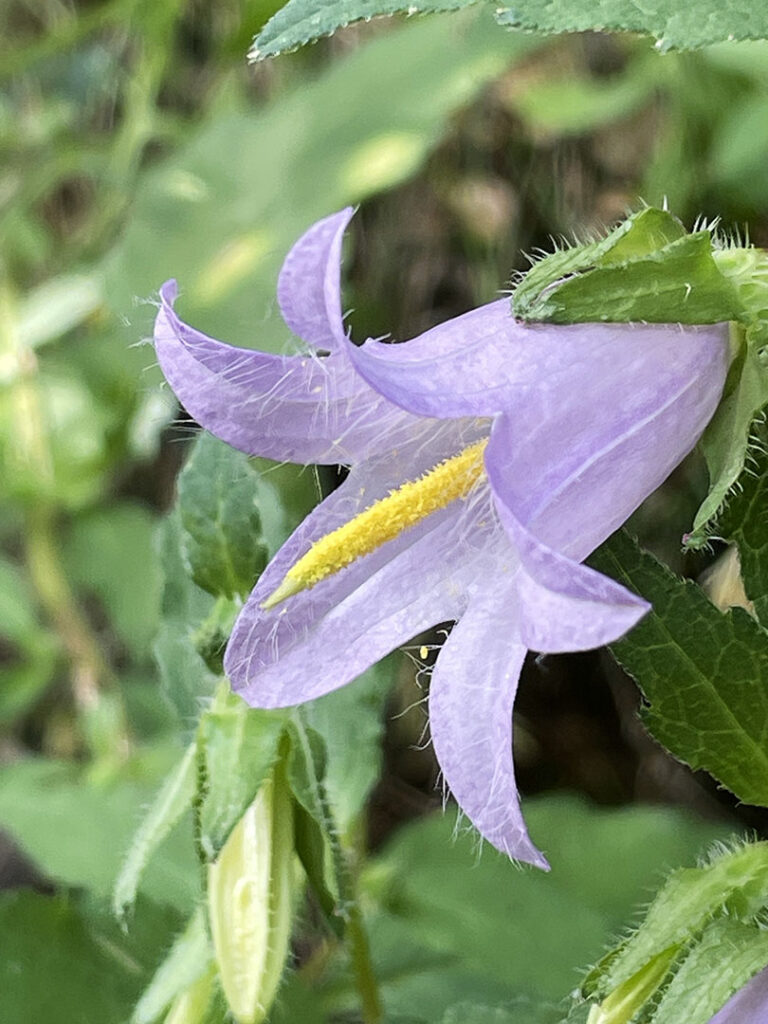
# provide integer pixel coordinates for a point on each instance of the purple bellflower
(487, 459)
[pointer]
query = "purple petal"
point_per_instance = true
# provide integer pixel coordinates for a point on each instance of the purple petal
(572, 462)
(485, 362)
(462, 367)
(324, 637)
(563, 605)
(470, 712)
(292, 408)
(749, 1005)
(309, 290)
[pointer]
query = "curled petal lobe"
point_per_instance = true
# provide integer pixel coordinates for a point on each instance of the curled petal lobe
(309, 289)
(292, 408)
(470, 712)
(564, 605)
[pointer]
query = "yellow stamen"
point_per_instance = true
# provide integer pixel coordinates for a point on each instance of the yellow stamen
(383, 521)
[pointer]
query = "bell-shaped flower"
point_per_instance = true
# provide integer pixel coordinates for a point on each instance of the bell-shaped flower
(487, 459)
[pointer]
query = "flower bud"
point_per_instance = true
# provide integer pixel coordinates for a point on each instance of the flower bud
(621, 1006)
(250, 901)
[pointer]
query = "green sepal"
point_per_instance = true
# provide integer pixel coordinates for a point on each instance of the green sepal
(237, 747)
(318, 840)
(708, 976)
(680, 947)
(312, 848)
(646, 270)
(173, 799)
(726, 440)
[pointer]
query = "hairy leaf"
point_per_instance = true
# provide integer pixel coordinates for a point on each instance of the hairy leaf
(675, 24)
(703, 673)
(219, 499)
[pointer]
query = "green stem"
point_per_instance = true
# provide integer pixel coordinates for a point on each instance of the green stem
(349, 903)
(362, 966)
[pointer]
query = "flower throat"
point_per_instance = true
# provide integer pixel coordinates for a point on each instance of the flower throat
(383, 521)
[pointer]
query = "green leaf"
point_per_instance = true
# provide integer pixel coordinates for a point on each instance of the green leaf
(182, 601)
(61, 964)
(237, 748)
(709, 976)
(644, 270)
(219, 500)
(188, 959)
(317, 833)
(642, 234)
(184, 676)
(313, 851)
(42, 801)
(674, 24)
(172, 801)
(743, 519)
(304, 21)
(703, 673)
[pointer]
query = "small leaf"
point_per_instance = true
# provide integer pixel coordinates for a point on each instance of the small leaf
(313, 852)
(186, 962)
(219, 498)
(237, 748)
(698, 915)
(704, 674)
(173, 799)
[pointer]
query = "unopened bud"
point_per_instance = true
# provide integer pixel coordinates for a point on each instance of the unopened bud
(621, 1006)
(250, 901)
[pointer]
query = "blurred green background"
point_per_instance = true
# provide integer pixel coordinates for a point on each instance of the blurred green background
(136, 144)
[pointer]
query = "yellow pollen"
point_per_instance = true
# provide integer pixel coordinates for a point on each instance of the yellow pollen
(383, 521)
